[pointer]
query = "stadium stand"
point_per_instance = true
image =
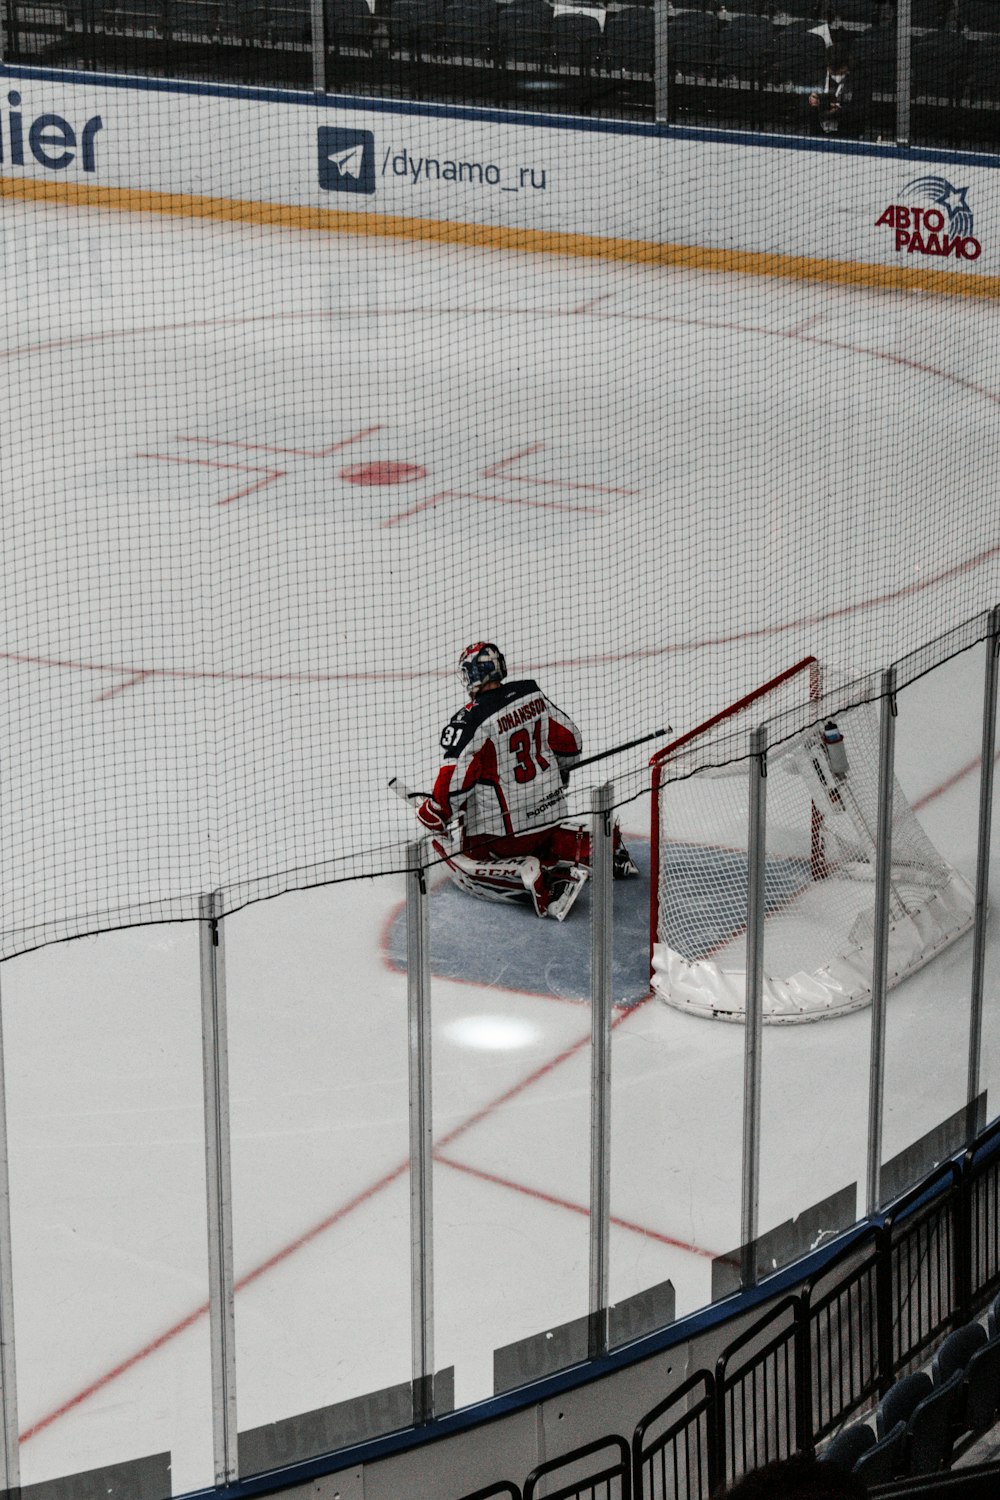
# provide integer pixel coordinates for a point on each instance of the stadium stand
(746, 67)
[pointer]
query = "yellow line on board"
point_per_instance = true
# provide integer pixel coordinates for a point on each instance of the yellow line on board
(499, 237)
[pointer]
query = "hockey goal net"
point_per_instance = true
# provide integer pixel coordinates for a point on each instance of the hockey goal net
(819, 868)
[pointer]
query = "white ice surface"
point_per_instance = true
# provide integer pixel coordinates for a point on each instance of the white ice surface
(663, 383)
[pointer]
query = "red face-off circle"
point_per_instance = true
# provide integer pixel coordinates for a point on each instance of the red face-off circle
(384, 471)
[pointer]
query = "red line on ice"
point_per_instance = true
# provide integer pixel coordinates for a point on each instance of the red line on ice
(576, 1208)
(504, 462)
(568, 484)
(946, 786)
(193, 1317)
(296, 452)
(389, 1177)
(133, 681)
(647, 654)
(289, 1249)
(586, 307)
(573, 510)
(559, 484)
(211, 463)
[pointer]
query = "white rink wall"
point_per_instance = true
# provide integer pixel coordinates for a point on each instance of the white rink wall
(543, 175)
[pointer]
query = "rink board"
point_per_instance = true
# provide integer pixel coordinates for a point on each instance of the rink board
(776, 205)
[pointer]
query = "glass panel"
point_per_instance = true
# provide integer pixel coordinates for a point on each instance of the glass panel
(320, 1127)
(818, 952)
(785, 70)
(870, 46)
(675, 1158)
(938, 741)
(512, 1133)
(104, 1096)
(653, 1256)
(989, 1072)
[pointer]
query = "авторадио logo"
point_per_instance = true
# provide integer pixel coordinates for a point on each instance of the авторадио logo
(923, 231)
(346, 160)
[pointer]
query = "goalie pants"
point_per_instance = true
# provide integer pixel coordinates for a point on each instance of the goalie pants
(562, 843)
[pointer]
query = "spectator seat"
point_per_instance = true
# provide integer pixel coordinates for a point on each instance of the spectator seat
(349, 23)
(982, 1388)
(692, 42)
(956, 1351)
(847, 1447)
(469, 29)
(799, 57)
(940, 67)
(983, 85)
(979, 15)
(885, 1460)
(525, 32)
(931, 1427)
(576, 39)
(627, 43)
(901, 1400)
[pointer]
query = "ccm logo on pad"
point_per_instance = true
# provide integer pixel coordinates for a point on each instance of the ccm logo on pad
(346, 160)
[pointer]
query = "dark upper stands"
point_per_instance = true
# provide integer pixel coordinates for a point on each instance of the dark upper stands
(752, 67)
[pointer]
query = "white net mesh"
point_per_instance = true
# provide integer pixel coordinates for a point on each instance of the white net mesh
(819, 874)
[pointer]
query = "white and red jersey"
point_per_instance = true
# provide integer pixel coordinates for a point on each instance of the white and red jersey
(504, 754)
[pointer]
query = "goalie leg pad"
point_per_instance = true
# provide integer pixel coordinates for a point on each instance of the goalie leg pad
(492, 880)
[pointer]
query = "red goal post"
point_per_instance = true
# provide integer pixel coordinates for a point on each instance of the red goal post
(802, 680)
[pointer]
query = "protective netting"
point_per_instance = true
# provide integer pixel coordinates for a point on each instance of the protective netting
(261, 487)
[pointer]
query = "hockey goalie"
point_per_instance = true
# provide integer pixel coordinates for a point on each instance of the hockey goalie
(498, 811)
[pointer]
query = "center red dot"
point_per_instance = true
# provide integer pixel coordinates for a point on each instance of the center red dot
(385, 471)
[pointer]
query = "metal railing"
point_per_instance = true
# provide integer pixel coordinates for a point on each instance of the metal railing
(817, 1356)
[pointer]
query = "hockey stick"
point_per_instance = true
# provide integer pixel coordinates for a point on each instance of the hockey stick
(644, 739)
(407, 794)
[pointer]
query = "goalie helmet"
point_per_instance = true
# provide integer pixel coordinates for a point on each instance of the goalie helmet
(479, 664)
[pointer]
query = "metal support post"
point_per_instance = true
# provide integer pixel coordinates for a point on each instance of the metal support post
(601, 941)
(218, 1177)
(9, 1454)
(661, 61)
(317, 20)
(418, 990)
(754, 1023)
(904, 72)
(987, 762)
(880, 963)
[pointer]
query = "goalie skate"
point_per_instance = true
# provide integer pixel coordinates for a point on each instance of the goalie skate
(564, 891)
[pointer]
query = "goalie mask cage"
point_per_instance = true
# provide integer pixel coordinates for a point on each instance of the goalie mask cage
(819, 868)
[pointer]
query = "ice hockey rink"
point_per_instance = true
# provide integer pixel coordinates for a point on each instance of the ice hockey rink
(383, 452)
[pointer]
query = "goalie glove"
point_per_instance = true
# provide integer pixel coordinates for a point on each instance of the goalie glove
(432, 816)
